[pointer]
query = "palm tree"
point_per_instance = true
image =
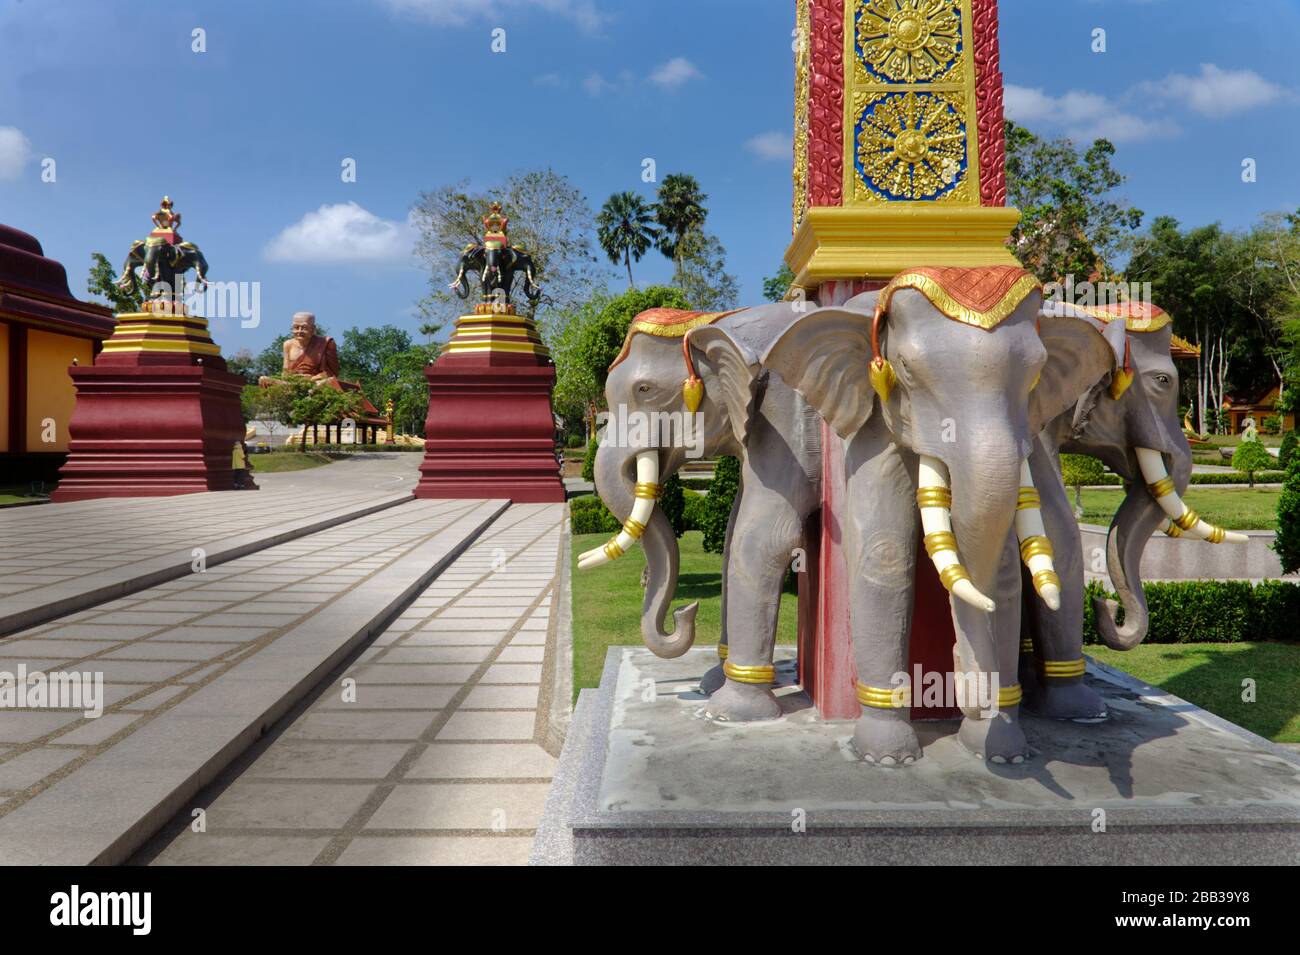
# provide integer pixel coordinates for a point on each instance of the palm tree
(625, 229)
(680, 212)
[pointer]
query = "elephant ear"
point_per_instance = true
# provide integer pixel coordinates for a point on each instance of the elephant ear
(824, 356)
(1080, 352)
(736, 389)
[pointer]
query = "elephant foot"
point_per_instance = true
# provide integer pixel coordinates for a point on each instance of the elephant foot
(998, 740)
(886, 739)
(742, 703)
(712, 681)
(1066, 701)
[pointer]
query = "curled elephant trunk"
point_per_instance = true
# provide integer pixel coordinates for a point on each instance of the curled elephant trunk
(646, 523)
(1145, 509)
(934, 498)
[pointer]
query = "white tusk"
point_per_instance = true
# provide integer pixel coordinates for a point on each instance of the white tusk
(648, 490)
(1161, 487)
(1035, 545)
(935, 501)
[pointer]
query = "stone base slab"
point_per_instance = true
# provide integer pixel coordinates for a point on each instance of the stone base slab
(651, 781)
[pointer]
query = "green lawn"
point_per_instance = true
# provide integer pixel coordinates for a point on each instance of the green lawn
(1211, 674)
(276, 461)
(19, 493)
(607, 603)
(1233, 508)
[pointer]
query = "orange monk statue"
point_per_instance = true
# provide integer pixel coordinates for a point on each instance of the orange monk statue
(307, 353)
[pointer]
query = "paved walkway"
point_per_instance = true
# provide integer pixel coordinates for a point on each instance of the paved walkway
(60, 558)
(426, 749)
(191, 667)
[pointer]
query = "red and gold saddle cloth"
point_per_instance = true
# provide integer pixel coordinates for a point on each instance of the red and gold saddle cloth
(1138, 316)
(667, 323)
(982, 297)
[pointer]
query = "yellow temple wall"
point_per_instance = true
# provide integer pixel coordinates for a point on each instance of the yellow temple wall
(50, 392)
(4, 387)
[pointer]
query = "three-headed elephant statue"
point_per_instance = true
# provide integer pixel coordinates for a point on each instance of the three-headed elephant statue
(938, 385)
(1129, 420)
(734, 408)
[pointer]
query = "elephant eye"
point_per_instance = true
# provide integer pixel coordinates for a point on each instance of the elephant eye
(1162, 379)
(643, 388)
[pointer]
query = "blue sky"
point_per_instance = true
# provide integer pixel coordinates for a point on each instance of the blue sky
(249, 136)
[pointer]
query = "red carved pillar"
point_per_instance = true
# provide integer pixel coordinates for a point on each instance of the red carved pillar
(852, 235)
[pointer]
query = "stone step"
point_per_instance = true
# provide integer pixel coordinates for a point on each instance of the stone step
(77, 555)
(112, 795)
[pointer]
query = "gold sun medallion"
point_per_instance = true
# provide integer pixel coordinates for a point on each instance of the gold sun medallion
(909, 41)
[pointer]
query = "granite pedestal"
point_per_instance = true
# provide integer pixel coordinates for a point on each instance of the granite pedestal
(646, 779)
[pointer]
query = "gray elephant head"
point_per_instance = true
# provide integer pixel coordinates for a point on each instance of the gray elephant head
(682, 387)
(1131, 423)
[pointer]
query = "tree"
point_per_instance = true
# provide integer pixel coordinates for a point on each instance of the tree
(625, 229)
(1196, 276)
(271, 405)
(314, 405)
(549, 217)
(680, 212)
(1287, 543)
(1250, 457)
(364, 352)
(1069, 225)
(776, 286)
(592, 337)
(703, 275)
(1078, 470)
(103, 283)
(243, 363)
(405, 384)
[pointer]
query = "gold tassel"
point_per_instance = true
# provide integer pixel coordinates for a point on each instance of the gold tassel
(692, 393)
(882, 376)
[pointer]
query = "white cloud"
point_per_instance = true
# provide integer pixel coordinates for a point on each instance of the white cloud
(343, 232)
(15, 151)
(595, 84)
(772, 145)
(1083, 116)
(585, 13)
(1217, 92)
(675, 72)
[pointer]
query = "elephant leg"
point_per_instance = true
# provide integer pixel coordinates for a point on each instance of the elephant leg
(881, 539)
(991, 690)
(765, 531)
(1058, 691)
(712, 681)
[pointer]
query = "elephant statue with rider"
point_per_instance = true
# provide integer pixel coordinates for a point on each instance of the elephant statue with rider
(496, 263)
(163, 258)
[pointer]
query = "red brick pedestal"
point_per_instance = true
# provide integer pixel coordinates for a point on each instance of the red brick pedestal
(490, 432)
(157, 414)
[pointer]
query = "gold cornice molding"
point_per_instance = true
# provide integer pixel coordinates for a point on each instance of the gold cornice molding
(835, 243)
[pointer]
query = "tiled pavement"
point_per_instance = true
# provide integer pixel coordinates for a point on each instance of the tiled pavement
(162, 645)
(427, 749)
(62, 558)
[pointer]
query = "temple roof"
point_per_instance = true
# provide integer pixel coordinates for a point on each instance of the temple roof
(34, 290)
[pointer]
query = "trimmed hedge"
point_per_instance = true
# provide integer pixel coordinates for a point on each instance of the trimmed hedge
(1230, 477)
(1212, 611)
(349, 448)
(589, 515)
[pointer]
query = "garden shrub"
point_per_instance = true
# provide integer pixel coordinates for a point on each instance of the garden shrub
(1250, 457)
(715, 510)
(574, 441)
(1287, 543)
(589, 462)
(1286, 453)
(694, 500)
(1212, 611)
(589, 515)
(673, 504)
